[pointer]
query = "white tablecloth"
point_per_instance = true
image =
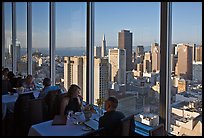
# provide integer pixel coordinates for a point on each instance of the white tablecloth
(70, 129)
(8, 102)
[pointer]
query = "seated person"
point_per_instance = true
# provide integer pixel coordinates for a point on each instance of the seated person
(28, 84)
(72, 101)
(5, 73)
(111, 118)
(48, 87)
(12, 82)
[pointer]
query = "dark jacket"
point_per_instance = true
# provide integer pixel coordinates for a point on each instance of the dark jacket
(111, 121)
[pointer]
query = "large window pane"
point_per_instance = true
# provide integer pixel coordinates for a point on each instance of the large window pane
(40, 41)
(186, 68)
(70, 58)
(131, 65)
(8, 33)
(21, 38)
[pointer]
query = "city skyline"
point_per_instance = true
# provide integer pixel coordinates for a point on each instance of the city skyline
(145, 30)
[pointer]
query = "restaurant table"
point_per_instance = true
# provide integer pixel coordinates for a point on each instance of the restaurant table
(70, 129)
(8, 102)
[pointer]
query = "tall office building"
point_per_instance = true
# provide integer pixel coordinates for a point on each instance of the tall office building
(97, 51)
(147, 62)
(101, 68)
(197, 71)
(17, 50)
(193, 52)
(139, 54)
(198, 53)
(184, 64)
(103, 47)
(125, 42)
(155, 57)
(73, 71)
(139, 50)
(117, 60)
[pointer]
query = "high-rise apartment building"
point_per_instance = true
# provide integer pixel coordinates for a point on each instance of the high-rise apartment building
(125, 42)
(103, 47)
(155, 50)
(184, 64)
(117, 60)
(101, 68)
(147, 62)
(73, 71)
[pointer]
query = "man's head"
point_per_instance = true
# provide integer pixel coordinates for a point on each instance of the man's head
(46, 82)
(111, 104)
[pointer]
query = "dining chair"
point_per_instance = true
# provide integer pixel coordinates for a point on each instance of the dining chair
(52, 103)
(36, 111)
(21, 109)
(127, 125)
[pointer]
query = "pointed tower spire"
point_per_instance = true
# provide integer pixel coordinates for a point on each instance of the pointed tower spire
(104, 37)
(103, 47)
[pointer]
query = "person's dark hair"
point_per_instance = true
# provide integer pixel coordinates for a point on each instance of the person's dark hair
(46, 82)
(11, 75)
(29, 76)
(114, 102)
(72, 89)
(5, 70)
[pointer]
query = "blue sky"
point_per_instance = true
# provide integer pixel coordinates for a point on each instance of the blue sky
(141, 18)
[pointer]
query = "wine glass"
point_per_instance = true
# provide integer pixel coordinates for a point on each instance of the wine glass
(69, 114)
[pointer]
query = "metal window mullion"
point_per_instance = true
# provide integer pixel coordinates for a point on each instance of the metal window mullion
(3, 36)
(14, 59)
(29, 37)
(87, 51)
(90, 53)
(165, 85)
(52, 42)
(168, 74)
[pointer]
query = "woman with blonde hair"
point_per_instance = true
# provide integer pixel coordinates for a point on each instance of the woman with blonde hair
(72, 101)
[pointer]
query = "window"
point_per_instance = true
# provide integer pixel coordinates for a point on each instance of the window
(127, 46)
(8, 34)
(70, 58)
(21, 38)
(40, 41)
(186, 68)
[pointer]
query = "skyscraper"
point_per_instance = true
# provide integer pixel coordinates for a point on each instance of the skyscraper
(147, 62)
(103, 47)
(97, 51)
(155, 57)
(139, 54)
(184, 64)
(73, 72)
(101, 67)
(17, 50)
(117, 60)
(125, 42)
(198, 53)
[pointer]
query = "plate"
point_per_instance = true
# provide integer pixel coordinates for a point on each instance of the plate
(85, 128)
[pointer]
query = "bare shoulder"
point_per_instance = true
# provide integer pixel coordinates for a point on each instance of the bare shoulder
(65, 100)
